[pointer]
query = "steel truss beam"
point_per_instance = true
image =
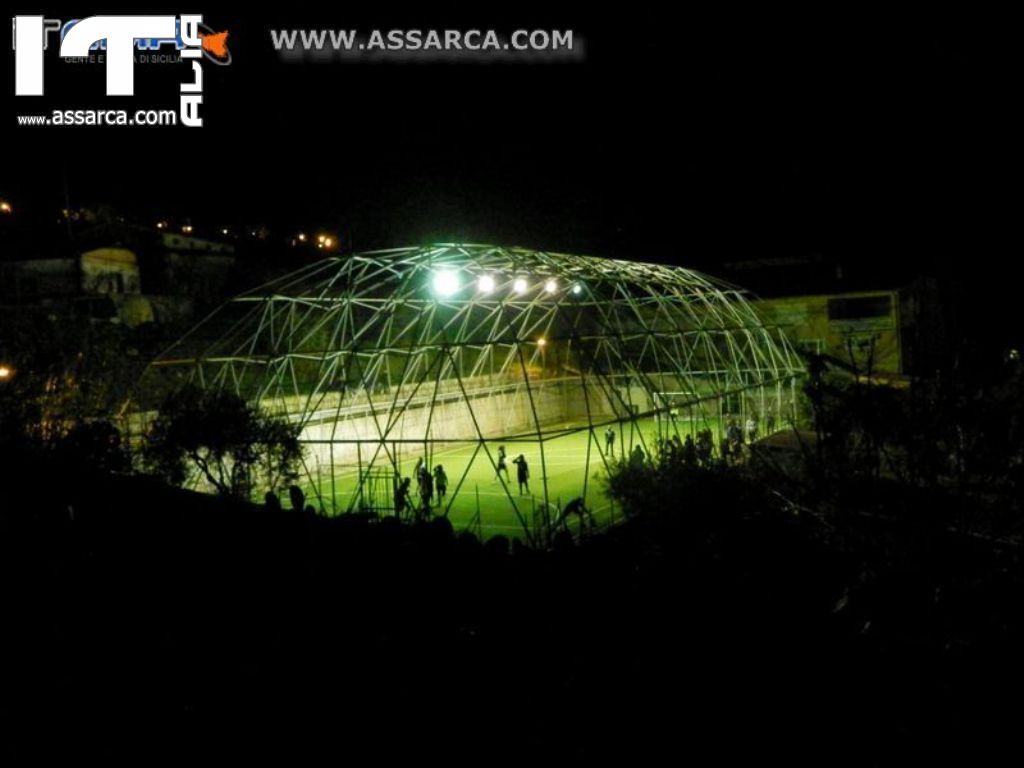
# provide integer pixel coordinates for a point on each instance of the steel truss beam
(376, 367)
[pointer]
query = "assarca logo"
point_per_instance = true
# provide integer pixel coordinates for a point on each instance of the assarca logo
(119, 35)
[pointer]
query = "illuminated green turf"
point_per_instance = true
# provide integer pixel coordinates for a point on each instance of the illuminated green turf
(487, 506)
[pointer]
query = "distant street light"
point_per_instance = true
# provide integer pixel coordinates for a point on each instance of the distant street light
(6, 207)
(6, 372)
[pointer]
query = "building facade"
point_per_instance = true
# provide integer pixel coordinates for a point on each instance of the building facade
(862, 330)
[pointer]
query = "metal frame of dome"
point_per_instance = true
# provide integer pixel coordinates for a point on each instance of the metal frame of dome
(388, 354)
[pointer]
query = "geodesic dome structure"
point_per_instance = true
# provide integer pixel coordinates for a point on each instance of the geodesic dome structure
(452, 354)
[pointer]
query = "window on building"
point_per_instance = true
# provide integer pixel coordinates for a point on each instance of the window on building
(860, 307)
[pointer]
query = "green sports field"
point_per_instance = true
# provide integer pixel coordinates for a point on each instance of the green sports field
(478, 501)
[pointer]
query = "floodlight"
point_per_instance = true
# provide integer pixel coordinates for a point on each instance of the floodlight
(551, 286)
(446, 282)
(577, 289)
(485, 284)
(519, 285)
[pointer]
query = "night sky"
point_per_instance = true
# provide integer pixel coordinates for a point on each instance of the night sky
(692, 139)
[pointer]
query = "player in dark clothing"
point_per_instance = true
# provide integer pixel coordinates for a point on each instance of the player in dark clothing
(502, 465)
(441, 483)
(575, 507)
(402, 497)
(522, 473)
(426, 489)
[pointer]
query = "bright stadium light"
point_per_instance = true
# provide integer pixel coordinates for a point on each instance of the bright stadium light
(541, 342)
(577, 289)
(551, 286)
(446, 282)
(485, 284)
(519, 285)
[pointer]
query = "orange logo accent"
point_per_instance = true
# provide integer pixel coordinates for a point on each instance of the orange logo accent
(217, 43)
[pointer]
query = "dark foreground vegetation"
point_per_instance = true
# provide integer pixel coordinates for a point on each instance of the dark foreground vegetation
(147, 623)
(865, 611)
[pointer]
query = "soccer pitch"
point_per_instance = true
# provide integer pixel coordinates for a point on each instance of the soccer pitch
(478, 501)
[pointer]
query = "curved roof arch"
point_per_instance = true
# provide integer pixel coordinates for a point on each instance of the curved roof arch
(427, 351)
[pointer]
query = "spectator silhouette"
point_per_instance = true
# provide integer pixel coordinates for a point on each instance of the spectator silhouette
(636, 458)
(497, 546)
(705, 446)
(734, 433)
(689, 452)
(751, 429)
(297, 498)
(402, 497)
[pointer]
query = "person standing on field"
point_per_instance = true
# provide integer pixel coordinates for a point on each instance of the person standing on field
(522, 473)
(502, 465)
(440, 483)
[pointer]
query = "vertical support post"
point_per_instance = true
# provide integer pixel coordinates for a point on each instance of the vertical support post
(359, 463)
(334, 487)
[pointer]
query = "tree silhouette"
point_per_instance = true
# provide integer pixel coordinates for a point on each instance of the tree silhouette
(229, 443)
